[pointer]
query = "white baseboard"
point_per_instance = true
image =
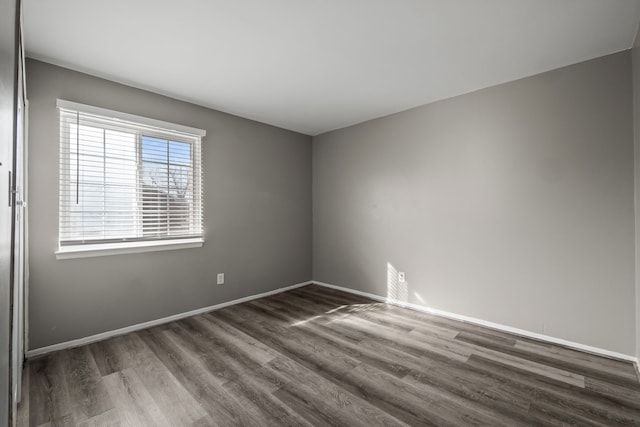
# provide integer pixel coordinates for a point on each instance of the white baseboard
(498, 326)
(121, 331)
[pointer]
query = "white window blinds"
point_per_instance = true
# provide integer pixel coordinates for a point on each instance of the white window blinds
(126, 178)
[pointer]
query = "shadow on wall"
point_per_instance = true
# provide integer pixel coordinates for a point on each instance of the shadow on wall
(397, 290)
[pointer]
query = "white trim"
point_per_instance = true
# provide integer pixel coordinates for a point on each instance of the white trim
(121, 331)
(68, 105)
(522, 332)
(26, 227)
(103, 249)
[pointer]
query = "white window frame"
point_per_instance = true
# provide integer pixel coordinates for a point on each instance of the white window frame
(83, 250)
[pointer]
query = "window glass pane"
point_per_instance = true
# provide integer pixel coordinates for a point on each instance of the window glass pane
(154, 149)
(180, 153)
(179, 181)
(167, 175)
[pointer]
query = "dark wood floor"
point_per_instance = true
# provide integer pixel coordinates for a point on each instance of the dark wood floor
(316, 356)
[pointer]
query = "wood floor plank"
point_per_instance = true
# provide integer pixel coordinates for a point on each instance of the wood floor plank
(485, 392)
(564, 397)
(341, 390)
(297, 348)
(615, 393)
(223, 360)
(526, 364)
(609, 370)
(238, 312)
(205, 387)
(110, 418)
(175, 402)
(311, 410)
(263, 404)
(23, 409)
(132, 400)
(548, 415)
(309, 389)
(247, 345)
(105, 359)
(575, 366)
(402, 399)
(618, 367)
(85, 385)
(49, 400)
(377, 356)
(419, 326)
(291, 382)
(318, 356)
(384, 358)
(427, 347)
(250, 384)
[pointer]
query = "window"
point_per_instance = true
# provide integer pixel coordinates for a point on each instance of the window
(127, 183)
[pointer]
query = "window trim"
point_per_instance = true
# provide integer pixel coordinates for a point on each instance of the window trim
(181, 132)
(104, 249)
(112, 114)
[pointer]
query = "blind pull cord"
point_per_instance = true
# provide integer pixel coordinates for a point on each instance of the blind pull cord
(77, 158)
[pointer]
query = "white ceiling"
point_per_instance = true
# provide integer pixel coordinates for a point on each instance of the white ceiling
(318, 65)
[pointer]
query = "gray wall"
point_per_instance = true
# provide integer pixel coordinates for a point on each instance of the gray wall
(257, 215)
(7, 123)
(513, 204)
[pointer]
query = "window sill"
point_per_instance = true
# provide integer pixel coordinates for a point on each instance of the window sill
(104, 249)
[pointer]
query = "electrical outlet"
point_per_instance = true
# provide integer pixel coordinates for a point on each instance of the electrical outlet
(220, 279)
(401, 277)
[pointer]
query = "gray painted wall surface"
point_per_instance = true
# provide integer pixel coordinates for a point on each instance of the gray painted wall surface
(513, 204)
(257, 213)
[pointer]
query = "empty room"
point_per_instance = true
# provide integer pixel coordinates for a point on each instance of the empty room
(312, 213)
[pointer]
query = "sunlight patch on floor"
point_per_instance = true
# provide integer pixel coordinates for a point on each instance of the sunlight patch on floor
(333, 310)
(302, 322)
(341, 312)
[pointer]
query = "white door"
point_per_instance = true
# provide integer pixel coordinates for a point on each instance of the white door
(8, 69)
